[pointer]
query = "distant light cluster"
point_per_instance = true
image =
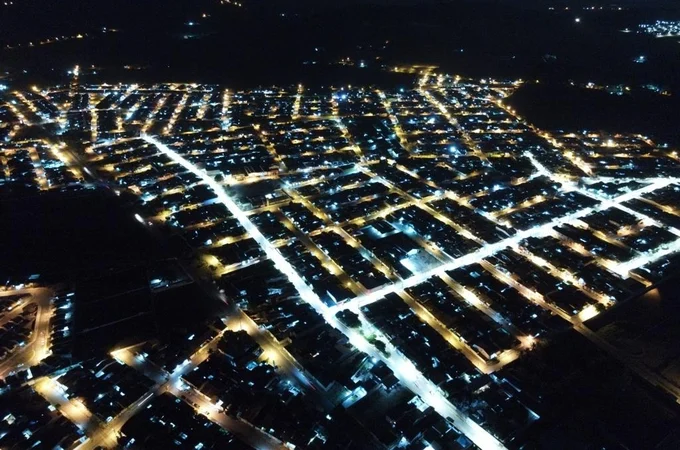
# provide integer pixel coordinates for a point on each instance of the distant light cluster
(58, 39)
(661, 28)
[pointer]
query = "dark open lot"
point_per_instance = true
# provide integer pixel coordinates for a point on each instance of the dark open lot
(591, 401)
(563, 107)
(64, 235)
(90, 240)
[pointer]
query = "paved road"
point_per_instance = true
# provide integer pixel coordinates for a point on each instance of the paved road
(172, 382)
(401, 366)
(73, 410)
(39, 344)
(107, 435)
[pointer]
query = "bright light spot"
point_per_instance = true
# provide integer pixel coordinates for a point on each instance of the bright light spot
(407, 370)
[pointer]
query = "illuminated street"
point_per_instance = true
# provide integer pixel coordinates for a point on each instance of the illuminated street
(38, 347)
(406, 248)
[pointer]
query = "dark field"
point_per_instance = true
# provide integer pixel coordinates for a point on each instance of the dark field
(257, 45)
(591, 401)
(65, 235)
(561, 107)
